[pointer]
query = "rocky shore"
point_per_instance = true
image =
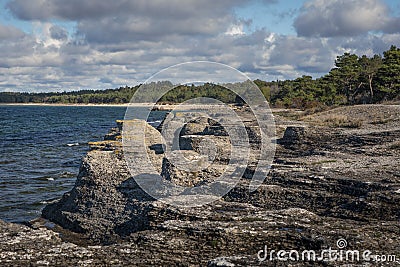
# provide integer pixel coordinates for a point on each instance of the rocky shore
(335, 176)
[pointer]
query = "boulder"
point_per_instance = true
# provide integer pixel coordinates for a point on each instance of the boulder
(294, 136)
(196, 126)
(106, 203)
(198, 172)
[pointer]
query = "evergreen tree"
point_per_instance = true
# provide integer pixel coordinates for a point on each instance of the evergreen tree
(369, 70)
(346, 74)
(389, 73)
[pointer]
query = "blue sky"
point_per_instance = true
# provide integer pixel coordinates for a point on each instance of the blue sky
(275, 17)
(57, 45)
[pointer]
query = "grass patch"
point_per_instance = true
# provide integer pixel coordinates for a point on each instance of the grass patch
(381, 120)
(289, 114)
(339, 121)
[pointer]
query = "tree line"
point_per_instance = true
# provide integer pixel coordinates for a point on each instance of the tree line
(109, 96)
(353, 80)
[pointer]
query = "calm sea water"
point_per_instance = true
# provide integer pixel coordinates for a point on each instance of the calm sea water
(41, 150)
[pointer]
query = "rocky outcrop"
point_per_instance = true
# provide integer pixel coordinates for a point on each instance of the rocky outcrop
(325, 184)
(106, 203)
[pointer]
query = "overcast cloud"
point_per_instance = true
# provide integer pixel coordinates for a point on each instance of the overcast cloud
(121, 42)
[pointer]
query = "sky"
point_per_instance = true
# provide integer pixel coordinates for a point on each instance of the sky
(58, 45)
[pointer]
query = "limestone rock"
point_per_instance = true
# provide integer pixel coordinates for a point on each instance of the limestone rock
(198, 172)
(196, 126)
(293, 136)
(308, 201)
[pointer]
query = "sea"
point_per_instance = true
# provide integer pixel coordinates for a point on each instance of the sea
(41, 148)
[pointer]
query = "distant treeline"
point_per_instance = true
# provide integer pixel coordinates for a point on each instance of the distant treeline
(353, 80)
(109, 96)
(123, 95)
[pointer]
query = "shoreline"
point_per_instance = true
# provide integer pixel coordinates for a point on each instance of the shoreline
(159, 107)
(64, 105)
(327, 203)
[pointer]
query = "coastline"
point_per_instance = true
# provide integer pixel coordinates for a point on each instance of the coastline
(64, 105)
(159, 107)
(308, 201)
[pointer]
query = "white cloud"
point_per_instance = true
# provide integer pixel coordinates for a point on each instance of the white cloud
(123, 42)
(331, 18)
(235, 30)
(49, 34)
(10, 33)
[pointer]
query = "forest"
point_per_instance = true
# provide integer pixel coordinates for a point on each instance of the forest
(353, 80)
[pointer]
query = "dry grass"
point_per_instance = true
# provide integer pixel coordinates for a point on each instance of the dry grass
(381, 119)
(338, 121)
(357, 116)
(289, 114)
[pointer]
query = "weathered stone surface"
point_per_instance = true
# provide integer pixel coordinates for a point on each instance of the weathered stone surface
(196, 126)
(217, 148)
(202, 172)
(113, 134)
(106, 145)
(336, 184)
(293, 136)
(105, 202)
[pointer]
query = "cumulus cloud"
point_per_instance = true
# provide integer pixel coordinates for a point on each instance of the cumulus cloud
(10, 32)
(123, 42)
(124, 20)
(305, 55)
(105, 80)
(93, 9)
(58, 33)
(331, 18)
